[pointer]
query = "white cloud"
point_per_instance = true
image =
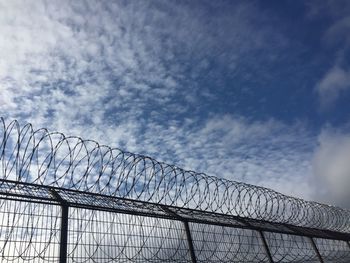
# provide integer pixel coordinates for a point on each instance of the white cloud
(331, 166)
(336, 81)
(268, 153)
(117, 73)
(337, 33)
(328, 8)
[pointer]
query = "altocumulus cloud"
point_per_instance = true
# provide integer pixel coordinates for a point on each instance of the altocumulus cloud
(119, 72)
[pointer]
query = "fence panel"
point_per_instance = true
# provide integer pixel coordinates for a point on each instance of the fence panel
(215, 243)
(99, 236)
(333, 251)
(29, 232)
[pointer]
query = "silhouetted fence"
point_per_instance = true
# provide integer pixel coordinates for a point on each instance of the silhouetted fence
(65, 199)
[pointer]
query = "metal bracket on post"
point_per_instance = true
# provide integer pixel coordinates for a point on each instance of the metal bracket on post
(64, 226)
(188, 232)
(316, 249)
(266, 247)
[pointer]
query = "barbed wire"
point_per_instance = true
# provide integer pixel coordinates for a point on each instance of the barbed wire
(53, 159)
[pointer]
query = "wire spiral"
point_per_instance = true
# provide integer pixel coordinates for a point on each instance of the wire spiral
(53, 159)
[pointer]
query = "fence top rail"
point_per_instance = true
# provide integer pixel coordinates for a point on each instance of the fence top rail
(53, 159)
(32, 193)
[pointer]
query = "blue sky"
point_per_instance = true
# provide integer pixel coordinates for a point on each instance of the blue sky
(254, 91)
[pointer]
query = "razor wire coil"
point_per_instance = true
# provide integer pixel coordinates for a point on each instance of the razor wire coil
(53, 159)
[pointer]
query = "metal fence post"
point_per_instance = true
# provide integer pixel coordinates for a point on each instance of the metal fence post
(190, 241)
(64, 226)
(187, 229)
(266, 247)
(316, 249)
